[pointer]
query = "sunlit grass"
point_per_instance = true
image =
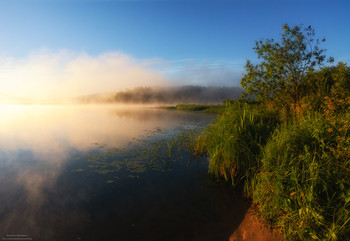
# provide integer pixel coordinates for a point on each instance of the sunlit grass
(297, 171)
(304, 183)
(233, 143)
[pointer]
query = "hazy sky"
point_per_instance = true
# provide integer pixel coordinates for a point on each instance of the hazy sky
(83, 46)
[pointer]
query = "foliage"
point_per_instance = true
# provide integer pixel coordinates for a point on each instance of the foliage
(233, 142)
(304, 182)
(206, 108)
(282, 73)
(328, 92)
(292, 152)
(296, 171)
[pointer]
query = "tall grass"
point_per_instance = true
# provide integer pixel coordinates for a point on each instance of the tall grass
(304, 182)
(234, 141)
(297, 172)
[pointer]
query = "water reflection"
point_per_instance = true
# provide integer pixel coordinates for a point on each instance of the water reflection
(53, 128)
(82, 173)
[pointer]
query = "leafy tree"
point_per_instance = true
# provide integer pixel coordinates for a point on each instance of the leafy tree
(281, 75)
(329, 83)
(341, 80)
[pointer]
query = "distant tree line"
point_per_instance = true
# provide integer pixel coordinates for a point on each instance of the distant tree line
(168, 95)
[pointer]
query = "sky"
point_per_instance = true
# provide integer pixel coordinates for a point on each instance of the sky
(53, 48)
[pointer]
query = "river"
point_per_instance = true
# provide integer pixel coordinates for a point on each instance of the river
(107, 173)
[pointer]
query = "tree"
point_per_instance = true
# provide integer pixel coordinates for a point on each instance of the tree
(328, 83)
(281, 75)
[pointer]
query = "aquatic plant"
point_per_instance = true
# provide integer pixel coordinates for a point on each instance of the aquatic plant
(144, 155)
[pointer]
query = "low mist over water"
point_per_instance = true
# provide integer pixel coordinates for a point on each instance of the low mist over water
(107, 173)
(166, 95)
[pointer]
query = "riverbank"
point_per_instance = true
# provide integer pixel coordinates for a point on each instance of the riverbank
(295, 169)
(254, 228)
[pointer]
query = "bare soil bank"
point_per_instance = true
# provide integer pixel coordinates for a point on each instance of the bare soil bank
(252, 228)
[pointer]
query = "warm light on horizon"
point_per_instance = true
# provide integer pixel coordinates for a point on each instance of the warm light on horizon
(55, 77)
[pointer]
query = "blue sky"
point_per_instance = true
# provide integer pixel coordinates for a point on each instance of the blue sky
(187, 42)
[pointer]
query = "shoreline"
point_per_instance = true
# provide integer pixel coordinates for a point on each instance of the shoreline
(254, 228)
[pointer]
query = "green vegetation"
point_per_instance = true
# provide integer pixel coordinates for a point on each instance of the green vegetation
(192, 107)
(303, 185)
(233, 141)
(218, 109)
(144, 156)
(291, 150)
(297, 172)
(204, 108)
(281, 75)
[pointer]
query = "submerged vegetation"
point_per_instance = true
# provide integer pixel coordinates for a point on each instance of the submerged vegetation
(291, 150)
(159, 152)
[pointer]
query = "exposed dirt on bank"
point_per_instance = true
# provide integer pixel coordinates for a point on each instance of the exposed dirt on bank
(252, 228)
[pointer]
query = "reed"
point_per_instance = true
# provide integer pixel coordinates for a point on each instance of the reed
(234, 142)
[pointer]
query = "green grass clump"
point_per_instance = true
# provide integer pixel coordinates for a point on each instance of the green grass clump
(218, 109)
(215, 109)
(192, 107)
(234, 141)
(303, 186)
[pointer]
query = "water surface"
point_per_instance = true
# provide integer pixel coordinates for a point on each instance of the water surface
(107, 173)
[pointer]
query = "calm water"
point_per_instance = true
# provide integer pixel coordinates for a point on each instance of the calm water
(107, 173)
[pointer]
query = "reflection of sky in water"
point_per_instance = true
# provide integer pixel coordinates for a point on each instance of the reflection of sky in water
(51, 129)
(43, 197)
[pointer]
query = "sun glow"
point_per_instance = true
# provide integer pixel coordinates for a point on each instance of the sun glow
(54, 77)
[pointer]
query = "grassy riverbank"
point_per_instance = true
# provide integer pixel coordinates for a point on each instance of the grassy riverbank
(291, 153)
(295, 169)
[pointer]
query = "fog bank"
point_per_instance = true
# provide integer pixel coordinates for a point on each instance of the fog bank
(55, 76)
(166, 95)
(47, 76)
